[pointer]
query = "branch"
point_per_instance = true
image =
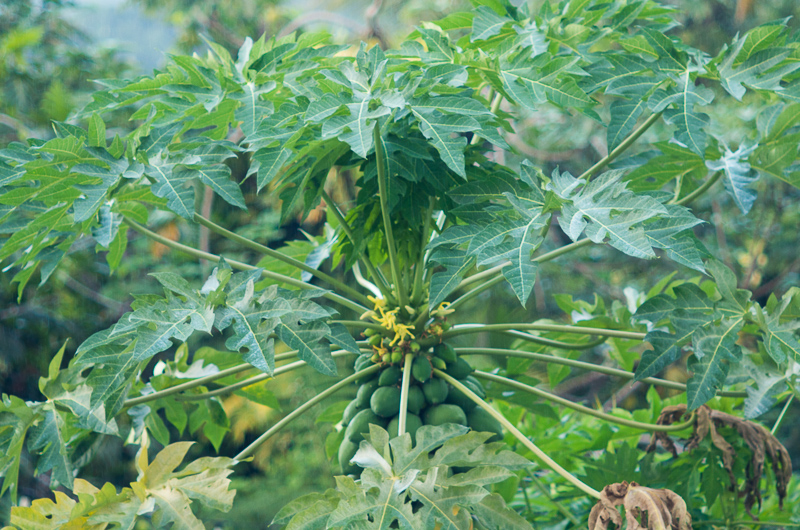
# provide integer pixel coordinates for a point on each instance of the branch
(250, 449)
(583, 409)
(333, 297)
(552, 464)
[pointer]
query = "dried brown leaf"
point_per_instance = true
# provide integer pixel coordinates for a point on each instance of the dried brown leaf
(645, 508)
(759, 440)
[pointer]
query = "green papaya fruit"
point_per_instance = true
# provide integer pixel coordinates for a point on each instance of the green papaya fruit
(365, 393)
(421, 368)
(480, 420)
(416, 399)
(435, 391)
(473, 384)
(362, 362)
(445, 352)
(360, 425)
(347, 450)
(445, 413)
(385, 401)
(413, 422)
(459, 369)
(350, 412)
(390, 376)
(457, 397)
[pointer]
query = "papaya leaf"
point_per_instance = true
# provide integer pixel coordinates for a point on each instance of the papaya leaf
(715, 349)
(604, 208)
(737, 172)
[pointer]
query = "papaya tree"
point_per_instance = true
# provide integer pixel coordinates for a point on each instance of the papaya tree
(426, 209)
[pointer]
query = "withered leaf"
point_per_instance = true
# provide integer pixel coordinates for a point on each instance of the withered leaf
(645, 508)
(759, 440)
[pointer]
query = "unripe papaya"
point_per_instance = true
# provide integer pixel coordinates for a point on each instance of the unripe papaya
(480, 420)
(459, 369)
(385, 401)
(413, 422)
(421, 369)
(446, 413)
(375, 340)
(397, 356)
(416, 399)
(435, 391)
(347, 450)
(473, 384)
(445, 352)
(365, 393)
(390, 376)
(457, 397)
(360, 425)
(350, 412)
(438, 363)
(362, 362)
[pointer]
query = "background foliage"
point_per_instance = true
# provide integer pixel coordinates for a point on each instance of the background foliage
(759, 248)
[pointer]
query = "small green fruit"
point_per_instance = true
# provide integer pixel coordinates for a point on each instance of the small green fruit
(385, 401)
(435, 391)
(421, 369)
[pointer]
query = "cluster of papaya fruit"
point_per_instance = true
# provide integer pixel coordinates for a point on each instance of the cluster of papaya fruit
(431, 401)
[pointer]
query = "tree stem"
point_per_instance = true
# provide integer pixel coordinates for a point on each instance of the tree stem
(380, 161)
(333, 297)
(552, 464)
(583, 409)
(250, 449)
(253, 245)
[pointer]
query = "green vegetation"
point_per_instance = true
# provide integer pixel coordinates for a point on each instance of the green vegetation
(445, 401)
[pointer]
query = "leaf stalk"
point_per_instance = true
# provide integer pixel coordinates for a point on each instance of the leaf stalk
(255, 379)
(616, 372)
(552, 464)
(621, 148)
(383, 184)
(376, 277)
(253, 245)
(299, 411)
(401, 422)
(651, 427)
(333, 297)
